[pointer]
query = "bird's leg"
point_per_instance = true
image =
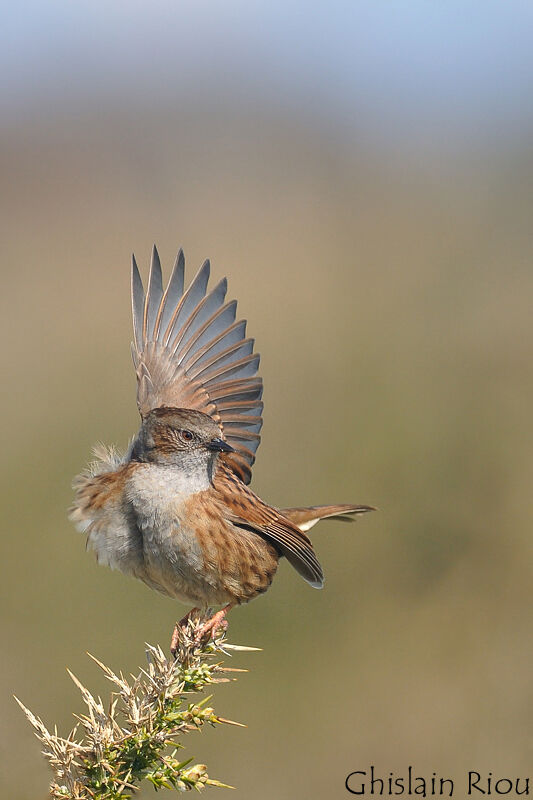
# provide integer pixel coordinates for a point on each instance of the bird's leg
(179, 627)
(214, 623)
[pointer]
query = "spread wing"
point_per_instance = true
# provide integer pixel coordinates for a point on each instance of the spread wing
(190, 352)
(246, 510)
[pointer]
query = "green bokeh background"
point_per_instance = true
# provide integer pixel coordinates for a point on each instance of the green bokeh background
(389, 290)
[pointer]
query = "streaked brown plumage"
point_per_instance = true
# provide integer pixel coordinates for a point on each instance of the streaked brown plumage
(175, 510)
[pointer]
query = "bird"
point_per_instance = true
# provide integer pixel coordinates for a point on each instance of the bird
(175, 510)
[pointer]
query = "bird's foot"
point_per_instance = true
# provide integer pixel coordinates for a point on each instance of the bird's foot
(189, 629)
(215, 623)
(179, 633)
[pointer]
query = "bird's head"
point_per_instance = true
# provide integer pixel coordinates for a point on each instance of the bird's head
(179, 436)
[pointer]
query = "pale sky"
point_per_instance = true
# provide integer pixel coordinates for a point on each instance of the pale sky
(466, 65)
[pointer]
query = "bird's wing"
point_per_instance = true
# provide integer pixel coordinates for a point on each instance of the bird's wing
(190, 352)
(243, 508)
(305, 518)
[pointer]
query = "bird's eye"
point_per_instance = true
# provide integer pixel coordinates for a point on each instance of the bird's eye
(187, 436)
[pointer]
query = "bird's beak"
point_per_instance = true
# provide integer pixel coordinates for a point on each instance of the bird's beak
(220, 446)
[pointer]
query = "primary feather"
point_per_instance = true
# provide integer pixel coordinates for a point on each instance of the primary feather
(189, 352)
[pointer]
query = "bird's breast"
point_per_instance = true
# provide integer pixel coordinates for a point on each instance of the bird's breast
(191, 551)
(172, 553)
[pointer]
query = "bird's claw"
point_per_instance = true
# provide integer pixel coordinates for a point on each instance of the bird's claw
(210, 628)
(190, 629)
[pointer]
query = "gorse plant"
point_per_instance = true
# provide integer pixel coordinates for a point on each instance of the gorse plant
(138, 737)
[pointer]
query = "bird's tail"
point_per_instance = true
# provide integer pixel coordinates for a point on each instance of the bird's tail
(305, 518)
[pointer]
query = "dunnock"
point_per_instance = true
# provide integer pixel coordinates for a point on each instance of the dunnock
(175, 510)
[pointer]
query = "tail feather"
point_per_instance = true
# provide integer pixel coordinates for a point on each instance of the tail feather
(305, 518)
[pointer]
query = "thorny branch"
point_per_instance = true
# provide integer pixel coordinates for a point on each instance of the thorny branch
(108, 753)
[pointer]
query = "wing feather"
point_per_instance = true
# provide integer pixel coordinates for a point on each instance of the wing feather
(234, 334)
(172, 295)
(137, 304)
(245, 347)
(205, 314)
(238, 390)
(187, 304)
(154, 295)
(245, 509)
(189, 352)
(242, 368)
(206, 332)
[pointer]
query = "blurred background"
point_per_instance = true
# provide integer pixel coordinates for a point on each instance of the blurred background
(362, 172)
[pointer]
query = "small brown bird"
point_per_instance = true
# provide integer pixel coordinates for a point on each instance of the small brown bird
(175, 510)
